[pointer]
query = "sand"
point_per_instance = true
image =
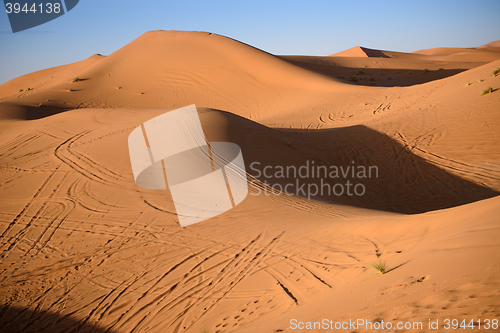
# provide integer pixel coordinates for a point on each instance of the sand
(85, 249)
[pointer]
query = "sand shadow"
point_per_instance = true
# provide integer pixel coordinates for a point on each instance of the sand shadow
(78, 79)
(21, 320)
(394, 77)
(384, 77)
(398, 181)
(29, 112)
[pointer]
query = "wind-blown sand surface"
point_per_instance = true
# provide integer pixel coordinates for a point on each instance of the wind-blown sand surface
(84, 249)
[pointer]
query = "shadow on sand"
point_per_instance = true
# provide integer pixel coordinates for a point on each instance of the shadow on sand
(398, 181)
(29, 112)
(384, 77)
(390, 175)
(21, 320)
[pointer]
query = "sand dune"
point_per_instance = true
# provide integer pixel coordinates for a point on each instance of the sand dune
(47, 78)
(461, 54)
(485, 53)
(169, 69)
(495, 43)
(84, 248)
(359, 51)
(364, 52)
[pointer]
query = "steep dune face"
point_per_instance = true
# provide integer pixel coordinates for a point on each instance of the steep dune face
(82, 247)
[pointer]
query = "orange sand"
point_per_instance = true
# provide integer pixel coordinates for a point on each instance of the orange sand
(84, 248)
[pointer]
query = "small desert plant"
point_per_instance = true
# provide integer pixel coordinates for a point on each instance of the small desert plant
(341, 77)
(410, 72)
(289, 143)
(76, 79)
(360, 72)
(142, 93)
(119, 87)
(71, 89)
(353, 79)
(426, 70)
(441, 69)
(488, 90)
(380, 267)
(20, 90)
(495, 71)
(40, 105)
(467, 84)
(27, 89)
(479, 80)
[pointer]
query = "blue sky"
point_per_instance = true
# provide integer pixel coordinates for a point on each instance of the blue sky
(279, 27)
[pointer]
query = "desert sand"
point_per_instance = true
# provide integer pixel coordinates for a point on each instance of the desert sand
(84, 249)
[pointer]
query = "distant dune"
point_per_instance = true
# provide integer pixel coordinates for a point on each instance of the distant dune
(461, 54)
(495, 44)
(359, 51)
(83, 248)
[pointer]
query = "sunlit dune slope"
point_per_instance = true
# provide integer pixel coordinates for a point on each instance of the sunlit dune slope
(170, 69)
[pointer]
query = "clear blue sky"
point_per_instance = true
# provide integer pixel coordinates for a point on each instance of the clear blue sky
(280, 27)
